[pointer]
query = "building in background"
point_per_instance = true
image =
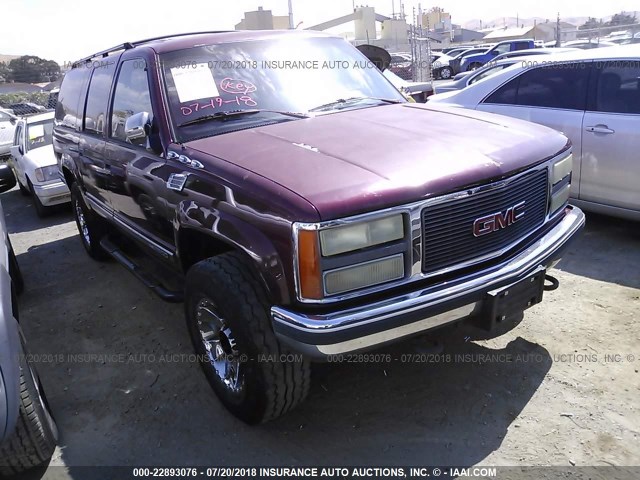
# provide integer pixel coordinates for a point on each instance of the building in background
(263, 20)
(437, 19)
(541, 31)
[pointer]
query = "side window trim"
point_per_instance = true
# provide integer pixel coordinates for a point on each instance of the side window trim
(516, 78)
(519, 76)
(114, 91)
(107, 104)
(596, 72)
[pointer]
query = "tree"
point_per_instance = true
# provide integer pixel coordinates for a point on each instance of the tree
(622, 19)
(32, 69)
(591, 23)
(4, 72)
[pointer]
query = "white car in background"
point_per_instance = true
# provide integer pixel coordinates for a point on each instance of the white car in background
(7, 127)
(593, 97)
(34, 162)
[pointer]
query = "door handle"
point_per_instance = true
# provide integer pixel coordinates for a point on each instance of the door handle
(599, 129)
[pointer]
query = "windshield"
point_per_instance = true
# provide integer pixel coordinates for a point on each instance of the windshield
(275, 77)
(39, 134)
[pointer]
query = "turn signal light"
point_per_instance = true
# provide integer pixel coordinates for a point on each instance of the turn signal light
(309, 265)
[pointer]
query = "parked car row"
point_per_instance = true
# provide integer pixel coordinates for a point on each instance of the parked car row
(593, 97)
(28, 432)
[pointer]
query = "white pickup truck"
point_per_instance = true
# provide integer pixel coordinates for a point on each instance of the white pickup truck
(34, 162)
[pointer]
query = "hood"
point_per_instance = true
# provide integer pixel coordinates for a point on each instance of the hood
(41, 156)
(362, 160)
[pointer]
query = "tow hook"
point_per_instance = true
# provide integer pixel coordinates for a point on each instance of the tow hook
(552, 285)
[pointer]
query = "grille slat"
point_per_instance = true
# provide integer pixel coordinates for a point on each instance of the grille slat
(447, 228)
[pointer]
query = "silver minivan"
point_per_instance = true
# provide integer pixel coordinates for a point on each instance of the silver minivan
(591, 96)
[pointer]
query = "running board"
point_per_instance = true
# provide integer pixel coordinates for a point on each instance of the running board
(145, 277)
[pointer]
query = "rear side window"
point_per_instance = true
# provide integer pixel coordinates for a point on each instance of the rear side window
(561, 86)
(618, 87)
(98, 98)
(521, 46)
(71, 98)
(131, 96)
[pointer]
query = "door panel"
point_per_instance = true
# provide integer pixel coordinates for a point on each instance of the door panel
(611, 160)
(93, 168)
(139, 175)
(140, 197)
(611, 142)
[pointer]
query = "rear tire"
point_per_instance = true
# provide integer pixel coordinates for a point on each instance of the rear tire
(34, 439)
(227, 312)
(91, 227)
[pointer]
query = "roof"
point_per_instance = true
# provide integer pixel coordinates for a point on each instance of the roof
(183, 41)
(508, 33)
(19, 87)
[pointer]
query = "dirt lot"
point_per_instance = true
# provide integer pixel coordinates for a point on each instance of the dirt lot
(544, 394)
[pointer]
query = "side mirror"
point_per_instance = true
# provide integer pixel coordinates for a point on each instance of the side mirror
(7, 178)
(494, 52)
(21, 149)
(136, 128)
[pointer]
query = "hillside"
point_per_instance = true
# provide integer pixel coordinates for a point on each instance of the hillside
(513, 21)
(8, 58)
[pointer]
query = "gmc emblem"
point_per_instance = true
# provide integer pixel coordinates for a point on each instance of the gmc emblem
(497, 221)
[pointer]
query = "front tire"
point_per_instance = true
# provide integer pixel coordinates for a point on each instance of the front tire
(34, 439)
(446, 73)
(41, 210)
(227, 312)
(91, 227)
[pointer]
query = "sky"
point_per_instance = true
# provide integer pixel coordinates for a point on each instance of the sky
(66, 30)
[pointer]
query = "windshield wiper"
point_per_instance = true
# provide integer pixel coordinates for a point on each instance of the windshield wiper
(346, 101)
(235, 113)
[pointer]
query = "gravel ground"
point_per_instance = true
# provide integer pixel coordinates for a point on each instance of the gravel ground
(561, 388)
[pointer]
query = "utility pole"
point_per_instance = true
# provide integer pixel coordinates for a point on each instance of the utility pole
(558, 31)
(291, 26)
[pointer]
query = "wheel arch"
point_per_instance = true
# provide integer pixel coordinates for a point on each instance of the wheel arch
(194, 244)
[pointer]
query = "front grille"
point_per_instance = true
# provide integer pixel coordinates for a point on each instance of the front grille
(447, 228)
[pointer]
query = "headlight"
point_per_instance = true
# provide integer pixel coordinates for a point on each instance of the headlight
(364, 274)
(47, 174)
(361, 235)
(561, 169)
(328, 260)
(560, 180)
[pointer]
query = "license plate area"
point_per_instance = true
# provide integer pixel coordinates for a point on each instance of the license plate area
(504, 302)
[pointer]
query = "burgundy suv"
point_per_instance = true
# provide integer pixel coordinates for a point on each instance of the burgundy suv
(282, 188)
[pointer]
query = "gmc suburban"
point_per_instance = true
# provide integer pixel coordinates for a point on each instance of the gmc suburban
(280, 186)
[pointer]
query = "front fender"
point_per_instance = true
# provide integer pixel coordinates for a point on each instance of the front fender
(245, 231)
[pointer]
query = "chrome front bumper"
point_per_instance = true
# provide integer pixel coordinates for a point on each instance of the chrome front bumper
(366, 326)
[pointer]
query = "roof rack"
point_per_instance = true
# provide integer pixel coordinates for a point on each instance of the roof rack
(130, 45)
